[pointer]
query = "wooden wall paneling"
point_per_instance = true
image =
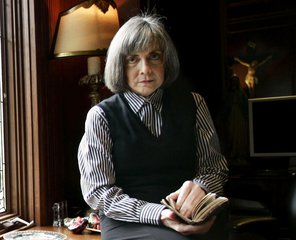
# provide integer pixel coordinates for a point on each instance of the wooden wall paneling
(24, 154)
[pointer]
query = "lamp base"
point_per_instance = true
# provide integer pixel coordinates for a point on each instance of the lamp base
(94, 82)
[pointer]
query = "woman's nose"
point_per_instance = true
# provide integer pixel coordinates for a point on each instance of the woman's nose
(145, 66)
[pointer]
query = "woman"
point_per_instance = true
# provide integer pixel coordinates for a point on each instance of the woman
(147, 141)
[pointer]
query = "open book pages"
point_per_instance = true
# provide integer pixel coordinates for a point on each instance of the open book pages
(209, 206)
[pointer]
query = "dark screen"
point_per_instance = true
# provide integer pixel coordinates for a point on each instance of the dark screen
(273, 126)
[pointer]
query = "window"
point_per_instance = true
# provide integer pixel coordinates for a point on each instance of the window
(19, 113)
(2, 155)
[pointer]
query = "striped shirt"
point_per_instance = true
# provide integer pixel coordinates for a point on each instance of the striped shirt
(97, 170)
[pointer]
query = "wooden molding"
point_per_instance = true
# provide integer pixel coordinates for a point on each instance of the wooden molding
(24, 181)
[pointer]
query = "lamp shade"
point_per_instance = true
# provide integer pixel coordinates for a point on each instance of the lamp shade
(85, 29)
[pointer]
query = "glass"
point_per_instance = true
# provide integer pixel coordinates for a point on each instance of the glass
(60, 212)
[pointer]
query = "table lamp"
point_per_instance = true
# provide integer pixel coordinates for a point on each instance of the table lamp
(87, 30)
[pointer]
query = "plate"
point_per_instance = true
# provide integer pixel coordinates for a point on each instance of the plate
(34, 235)
(93, 230)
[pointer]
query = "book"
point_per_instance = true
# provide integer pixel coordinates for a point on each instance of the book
(208, 206)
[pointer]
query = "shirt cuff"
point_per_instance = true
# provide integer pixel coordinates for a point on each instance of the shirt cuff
(150, 213)
(203, 186)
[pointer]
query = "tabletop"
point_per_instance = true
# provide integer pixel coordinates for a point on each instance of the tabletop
(86, 234)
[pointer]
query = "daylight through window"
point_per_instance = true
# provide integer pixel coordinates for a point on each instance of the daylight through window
(2, 159)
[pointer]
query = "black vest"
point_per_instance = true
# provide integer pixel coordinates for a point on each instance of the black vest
(149, 167)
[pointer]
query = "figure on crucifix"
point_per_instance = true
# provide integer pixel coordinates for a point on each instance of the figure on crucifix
(251, 78)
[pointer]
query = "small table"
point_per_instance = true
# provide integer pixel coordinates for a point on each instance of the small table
(86, 234)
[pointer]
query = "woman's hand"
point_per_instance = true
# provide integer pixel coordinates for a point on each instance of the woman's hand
(187, 196)
(169, 219)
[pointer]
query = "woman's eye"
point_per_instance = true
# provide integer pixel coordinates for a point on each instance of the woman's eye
(131, 59)
(155, 56)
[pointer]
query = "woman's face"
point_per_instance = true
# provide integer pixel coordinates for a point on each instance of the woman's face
(145, 71)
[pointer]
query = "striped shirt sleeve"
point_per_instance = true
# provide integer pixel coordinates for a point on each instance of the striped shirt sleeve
(212, 170)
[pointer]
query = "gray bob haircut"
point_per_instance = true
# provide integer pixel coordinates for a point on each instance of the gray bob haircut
(138, 34)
